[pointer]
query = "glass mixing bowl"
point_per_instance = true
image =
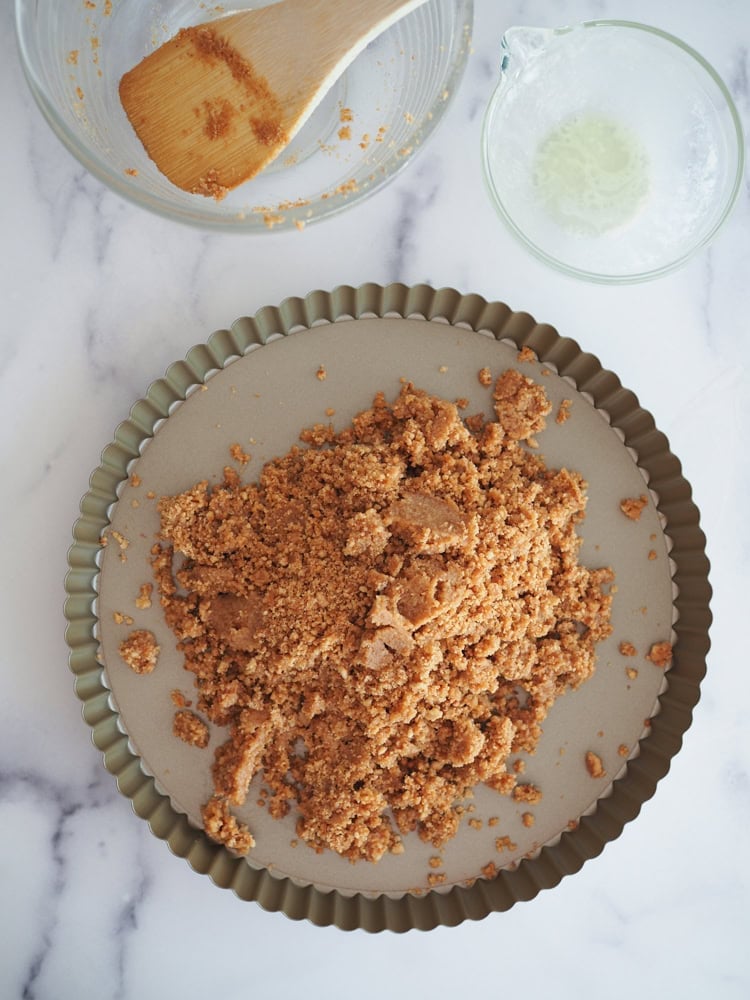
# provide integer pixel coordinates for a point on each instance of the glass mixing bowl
(612, 150)
(373, 121)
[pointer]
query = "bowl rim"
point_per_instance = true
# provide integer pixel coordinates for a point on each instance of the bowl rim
(636, 276)
(241, 222)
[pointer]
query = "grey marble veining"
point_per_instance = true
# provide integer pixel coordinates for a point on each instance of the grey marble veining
(98, 298)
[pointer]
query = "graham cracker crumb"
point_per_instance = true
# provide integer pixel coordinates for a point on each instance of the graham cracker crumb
(179, 700)
(476, 824)
(632, 507)
(489, 871)
(632, 672)
(436, 878)
(353, 617)
(504, 844)
(563, 411)
(527, 793)
(435, 861)
(485, 376)
(660, 654)
(140, 651)
(121, 619)
(189, 728)
(221, 826)
(652, 555)
(239, 454)
(143, 600)
(321, 374)
(120, 539)
(135, 480)
(623, 750)
(526, 354)
(594, 764)
(528, 819)
(627, 648)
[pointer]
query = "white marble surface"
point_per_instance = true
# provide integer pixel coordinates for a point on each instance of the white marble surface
(97, 299)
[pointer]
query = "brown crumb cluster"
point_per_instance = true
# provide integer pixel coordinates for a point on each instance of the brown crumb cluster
(140, 651)
(189, 728)
(633, 507)
(383, 618)
(660, 654)
(594, 764)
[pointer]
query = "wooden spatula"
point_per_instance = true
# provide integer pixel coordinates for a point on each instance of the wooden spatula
(215, 104)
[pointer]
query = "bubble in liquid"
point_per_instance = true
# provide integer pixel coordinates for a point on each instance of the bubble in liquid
(591, 174)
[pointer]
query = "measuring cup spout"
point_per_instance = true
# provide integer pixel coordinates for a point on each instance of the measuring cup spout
(521, 45)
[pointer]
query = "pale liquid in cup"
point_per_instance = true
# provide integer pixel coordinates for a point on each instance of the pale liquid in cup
(591, 174)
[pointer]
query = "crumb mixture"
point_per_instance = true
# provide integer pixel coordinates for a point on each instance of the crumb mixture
(383, 618)
(140, 651)
(660, 654)
(633, 507)
(189, 728)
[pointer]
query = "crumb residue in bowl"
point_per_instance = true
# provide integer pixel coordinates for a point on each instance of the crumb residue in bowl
(383, 618)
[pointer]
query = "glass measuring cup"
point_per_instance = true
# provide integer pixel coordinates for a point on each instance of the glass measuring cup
(611, 149)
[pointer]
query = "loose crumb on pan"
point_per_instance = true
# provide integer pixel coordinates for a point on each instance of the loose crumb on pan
(504, 844)
(140, 651)
(563, 411)
(221, 826)
(239, 454)
(627, 648)
(528, 819)
(526, 354)
(353, 617)
(660, 654)
(632, 507)
(143, 600)
(594, 764)
(189, 728)
(485, 376)
(179, 700)
(527, 793)
(321, 374)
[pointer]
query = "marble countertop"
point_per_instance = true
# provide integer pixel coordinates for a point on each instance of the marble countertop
(98, 299)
